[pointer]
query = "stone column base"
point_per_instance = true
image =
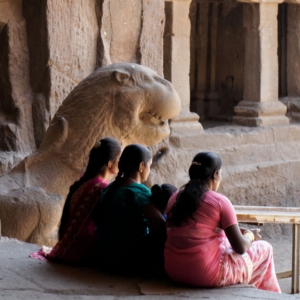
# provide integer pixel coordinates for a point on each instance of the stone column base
(293, 107)
(206, 106)
(186, 131)
(185, 123)
(260, 114)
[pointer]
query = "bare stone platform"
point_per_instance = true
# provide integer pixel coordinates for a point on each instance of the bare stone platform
(22, 277)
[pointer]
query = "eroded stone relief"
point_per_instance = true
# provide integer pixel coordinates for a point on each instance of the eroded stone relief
(46, 49)
(127, 101)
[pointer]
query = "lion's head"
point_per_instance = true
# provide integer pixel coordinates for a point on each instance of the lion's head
(143, 104)
(124, 100)
(127, 101)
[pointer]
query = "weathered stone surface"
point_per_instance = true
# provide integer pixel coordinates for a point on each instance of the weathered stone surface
(15, 92)
(261, 69)
(127, 32)
(27, 279)
(217, 58)
(259, 114)
(150, 43)
(178, 63)
(260, 165)
(48, 47)
(28, 212)
(293, 51)
(72, 52)
(127, 101)
(8, 160)
(293, 108)
(121, 18)
(292, 101)
(62, 38)
(261, 1)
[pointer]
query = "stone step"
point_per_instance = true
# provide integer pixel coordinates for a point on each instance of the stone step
(231, 135)
(244, 146)
(261, 166)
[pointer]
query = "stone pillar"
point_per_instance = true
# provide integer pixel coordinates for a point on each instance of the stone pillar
(213, 95)
(261, 106)
(179, 64)
(200, 57)
(205, 97)
(292, 101)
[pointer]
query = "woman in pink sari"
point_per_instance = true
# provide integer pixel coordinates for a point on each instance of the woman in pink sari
(205, 246)
(77, 232)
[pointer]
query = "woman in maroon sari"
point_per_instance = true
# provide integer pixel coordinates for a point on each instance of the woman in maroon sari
(77, 229)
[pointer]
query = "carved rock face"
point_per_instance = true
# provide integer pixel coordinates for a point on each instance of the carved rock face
(127, 101)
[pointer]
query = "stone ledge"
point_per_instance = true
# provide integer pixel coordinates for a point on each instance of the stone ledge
(26, 278)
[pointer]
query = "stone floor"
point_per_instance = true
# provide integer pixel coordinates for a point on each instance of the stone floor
(25, 278)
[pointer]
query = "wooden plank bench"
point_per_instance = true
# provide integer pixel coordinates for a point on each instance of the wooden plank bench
(279, 215)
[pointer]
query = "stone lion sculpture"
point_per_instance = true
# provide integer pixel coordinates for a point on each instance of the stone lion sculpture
(127, 101)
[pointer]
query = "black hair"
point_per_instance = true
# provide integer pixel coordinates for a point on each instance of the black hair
(161, 194)
(131, 158)
(105, 150)
(129, 163)
(203, 167)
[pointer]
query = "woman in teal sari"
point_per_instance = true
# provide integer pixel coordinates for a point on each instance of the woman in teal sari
(131, 231)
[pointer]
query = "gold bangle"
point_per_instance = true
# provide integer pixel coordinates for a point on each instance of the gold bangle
(249, 234)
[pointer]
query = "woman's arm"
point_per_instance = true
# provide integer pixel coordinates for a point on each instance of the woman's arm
(156, 221)
(240, 238)
(239, 243)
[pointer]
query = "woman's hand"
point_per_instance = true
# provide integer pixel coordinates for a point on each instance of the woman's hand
(256, 233)
(238, 242)
(243, 229)
(238, 238)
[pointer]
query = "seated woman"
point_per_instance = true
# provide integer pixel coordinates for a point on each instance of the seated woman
(205, 246)
(161, 194)
(131, 231)
(77, 232)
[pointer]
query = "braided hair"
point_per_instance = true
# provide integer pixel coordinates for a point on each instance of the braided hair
(203, 167)
(104, 150)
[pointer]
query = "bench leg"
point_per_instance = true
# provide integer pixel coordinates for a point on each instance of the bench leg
(295, 260)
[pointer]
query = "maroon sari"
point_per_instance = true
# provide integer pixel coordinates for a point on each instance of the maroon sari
(78, 240)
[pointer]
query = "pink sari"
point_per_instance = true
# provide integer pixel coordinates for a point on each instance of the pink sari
(256, 266)
(79, 234)
(198, 252)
